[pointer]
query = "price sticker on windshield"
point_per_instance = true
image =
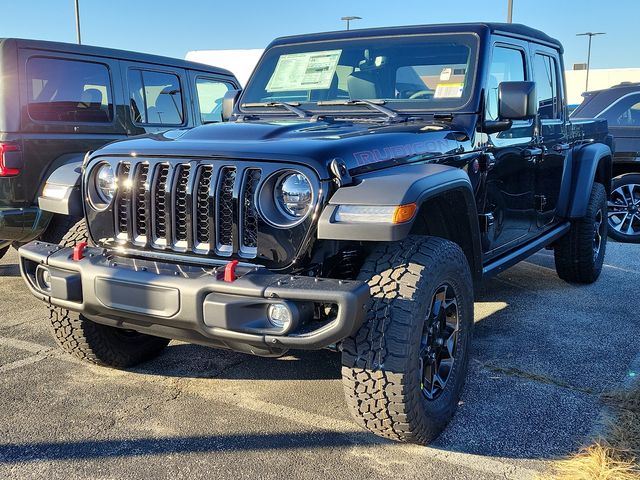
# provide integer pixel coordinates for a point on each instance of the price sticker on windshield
(304, 71)
(449, 90)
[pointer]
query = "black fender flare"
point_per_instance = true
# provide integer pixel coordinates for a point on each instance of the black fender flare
(590, 163)
(65, 179)
(396, 186)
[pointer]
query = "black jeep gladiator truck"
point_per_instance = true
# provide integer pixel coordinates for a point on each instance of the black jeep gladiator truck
(59, 100)
(364, 182)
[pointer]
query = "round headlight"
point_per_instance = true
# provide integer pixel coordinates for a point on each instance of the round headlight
(105, 182)
(293, 194)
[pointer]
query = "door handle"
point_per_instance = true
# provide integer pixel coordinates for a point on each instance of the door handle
(561, 147)
(532, 153)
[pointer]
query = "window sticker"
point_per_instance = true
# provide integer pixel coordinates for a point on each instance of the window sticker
(304, 71)
(449, 90)
(445, 75)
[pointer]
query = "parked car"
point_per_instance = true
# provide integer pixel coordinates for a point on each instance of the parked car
(365, 182)
(620, 106)
(59, 101)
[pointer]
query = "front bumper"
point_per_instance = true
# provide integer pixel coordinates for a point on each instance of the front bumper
(195, 304)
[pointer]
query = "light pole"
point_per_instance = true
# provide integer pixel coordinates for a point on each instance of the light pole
(510, 11)
(78, 22)
(348, 20)
(590, 35)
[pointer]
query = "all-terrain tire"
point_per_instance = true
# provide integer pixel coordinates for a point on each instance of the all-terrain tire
(94, 342)
(381, 362)
(576, 258)
(58, 228)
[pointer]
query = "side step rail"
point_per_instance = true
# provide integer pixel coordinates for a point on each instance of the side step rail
(511, 258)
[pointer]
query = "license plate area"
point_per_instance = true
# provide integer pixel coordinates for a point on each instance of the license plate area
(137, 297)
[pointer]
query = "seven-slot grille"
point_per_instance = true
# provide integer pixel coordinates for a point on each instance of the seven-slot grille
(188, 207)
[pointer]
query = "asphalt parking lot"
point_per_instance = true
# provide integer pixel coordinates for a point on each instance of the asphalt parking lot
(543, 351)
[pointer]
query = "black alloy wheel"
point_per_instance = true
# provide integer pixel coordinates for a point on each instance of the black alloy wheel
(439, 342)
(599, 232)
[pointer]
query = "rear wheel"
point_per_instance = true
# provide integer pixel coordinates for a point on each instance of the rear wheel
(579, 255)
(403, 371)
(94, 342)
(624, 209)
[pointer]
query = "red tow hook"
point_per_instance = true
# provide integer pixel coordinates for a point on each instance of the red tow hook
(78, 251)
(230, 271)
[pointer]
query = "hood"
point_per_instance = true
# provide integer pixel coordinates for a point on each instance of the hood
(361, 145)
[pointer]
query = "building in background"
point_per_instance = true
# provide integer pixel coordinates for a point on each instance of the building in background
(599, 79)
(242, 63)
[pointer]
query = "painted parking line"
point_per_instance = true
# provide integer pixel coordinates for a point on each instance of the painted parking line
(7, 367)
(40, 352)
(23, 345)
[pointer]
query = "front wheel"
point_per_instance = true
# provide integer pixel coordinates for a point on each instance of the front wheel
(93, 342)
(403, 371)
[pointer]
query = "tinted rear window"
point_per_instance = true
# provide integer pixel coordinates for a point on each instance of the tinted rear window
(62, 90)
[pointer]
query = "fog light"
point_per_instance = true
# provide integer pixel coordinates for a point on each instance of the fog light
(43, 278)
(279, 315)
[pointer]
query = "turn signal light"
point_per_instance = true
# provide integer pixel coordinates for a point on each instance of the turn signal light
(404, 213)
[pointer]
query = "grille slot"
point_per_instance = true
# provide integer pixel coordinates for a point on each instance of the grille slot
(224, 212)
(188, 207)
(249, 214)
(159, 201)
(180, 217)
(140, 202)
(202, 208)
(123, 199)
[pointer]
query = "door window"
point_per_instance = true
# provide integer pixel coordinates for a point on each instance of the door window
(507, 65)
(155, 98)
(624, 113)
(210, 94)
(546, 78)
(61, 90)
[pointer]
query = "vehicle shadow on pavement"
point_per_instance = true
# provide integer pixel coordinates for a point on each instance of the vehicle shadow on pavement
(91, 449)
(205, 362)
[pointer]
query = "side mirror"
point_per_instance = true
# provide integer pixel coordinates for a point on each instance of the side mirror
(517, 100)
(228, 102)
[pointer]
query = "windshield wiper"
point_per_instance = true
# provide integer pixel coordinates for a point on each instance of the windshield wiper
(292, 107)
(373, 104)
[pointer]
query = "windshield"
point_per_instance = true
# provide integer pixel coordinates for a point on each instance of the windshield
(425, 72)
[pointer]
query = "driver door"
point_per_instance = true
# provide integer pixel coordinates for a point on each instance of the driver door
(508, 206)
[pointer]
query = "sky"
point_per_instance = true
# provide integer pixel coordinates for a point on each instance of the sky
(173, 27)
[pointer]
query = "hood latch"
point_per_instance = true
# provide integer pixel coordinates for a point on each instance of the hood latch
(340, 172)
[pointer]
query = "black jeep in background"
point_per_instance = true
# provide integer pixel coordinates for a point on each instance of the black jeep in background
(58, 101)
(620, 106)
(365, 182)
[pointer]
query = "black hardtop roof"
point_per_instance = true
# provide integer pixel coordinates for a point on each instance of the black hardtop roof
(110, 53)
(509, 29)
